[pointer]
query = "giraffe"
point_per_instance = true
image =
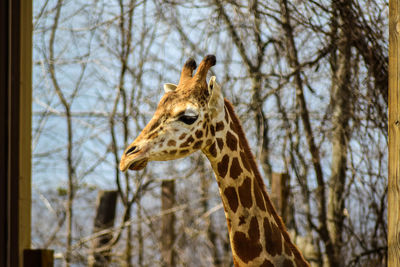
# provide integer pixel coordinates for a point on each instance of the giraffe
(194, 115)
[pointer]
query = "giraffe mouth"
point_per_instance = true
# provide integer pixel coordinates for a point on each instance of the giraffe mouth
(138, 165)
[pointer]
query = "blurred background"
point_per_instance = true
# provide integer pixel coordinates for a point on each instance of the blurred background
(308, 80)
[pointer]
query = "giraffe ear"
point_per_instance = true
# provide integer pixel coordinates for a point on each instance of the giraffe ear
(216, 102)
(169, 87)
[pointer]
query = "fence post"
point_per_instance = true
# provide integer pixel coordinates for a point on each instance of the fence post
(394, 136)
(105, 215)
(168, 222)
(38, 258)
(280, 193)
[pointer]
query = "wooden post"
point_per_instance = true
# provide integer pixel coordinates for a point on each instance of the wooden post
(280, 193)
(38, 258)
(25, 126)
(105, 215)
(15, 130)
(394, 136)
(168, 222)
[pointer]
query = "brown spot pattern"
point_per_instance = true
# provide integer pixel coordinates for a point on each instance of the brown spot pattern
(287, 263)
(254, 231)
(212, 130)
(222, 166)
(231, 196)
(267, 263)
(258, 196)
(182, 136)
(171, 143)
(245, 193)
(249, 248)
(242, 220)
(197, 145)
(199, 133)
(172, 152)
(245, 161)
(235, 170)
(220, 143)
(231, 141)
(273, 239)
(188, 142)
(184, 151)
(219, 126)
(213, 150)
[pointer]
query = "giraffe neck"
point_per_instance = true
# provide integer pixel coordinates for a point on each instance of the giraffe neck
(257, 234)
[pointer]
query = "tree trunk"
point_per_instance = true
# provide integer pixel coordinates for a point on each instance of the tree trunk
(341, 113)
(293, 60)
(262, 125)
(105, 216)
(168, 222)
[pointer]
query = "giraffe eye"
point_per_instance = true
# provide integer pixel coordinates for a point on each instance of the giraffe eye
(188, 119)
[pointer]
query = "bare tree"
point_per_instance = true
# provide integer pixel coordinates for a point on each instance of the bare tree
(308, 80)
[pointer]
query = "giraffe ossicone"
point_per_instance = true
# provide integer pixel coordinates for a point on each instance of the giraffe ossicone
(194, 115)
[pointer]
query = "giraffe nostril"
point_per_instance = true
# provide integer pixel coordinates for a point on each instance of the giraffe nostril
(131, 150)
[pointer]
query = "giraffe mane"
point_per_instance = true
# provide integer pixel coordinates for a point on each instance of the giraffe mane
(252, 162)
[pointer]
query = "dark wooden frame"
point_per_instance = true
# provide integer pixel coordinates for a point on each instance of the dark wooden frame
(15, 125)
(9, 105)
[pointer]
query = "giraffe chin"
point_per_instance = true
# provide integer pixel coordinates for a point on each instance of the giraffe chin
(138, 165)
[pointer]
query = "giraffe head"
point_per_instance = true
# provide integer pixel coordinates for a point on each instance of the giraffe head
(183, 121)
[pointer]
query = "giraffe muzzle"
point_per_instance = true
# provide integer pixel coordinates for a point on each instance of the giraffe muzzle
(138, 165)
(134, 158)
(133, 163)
